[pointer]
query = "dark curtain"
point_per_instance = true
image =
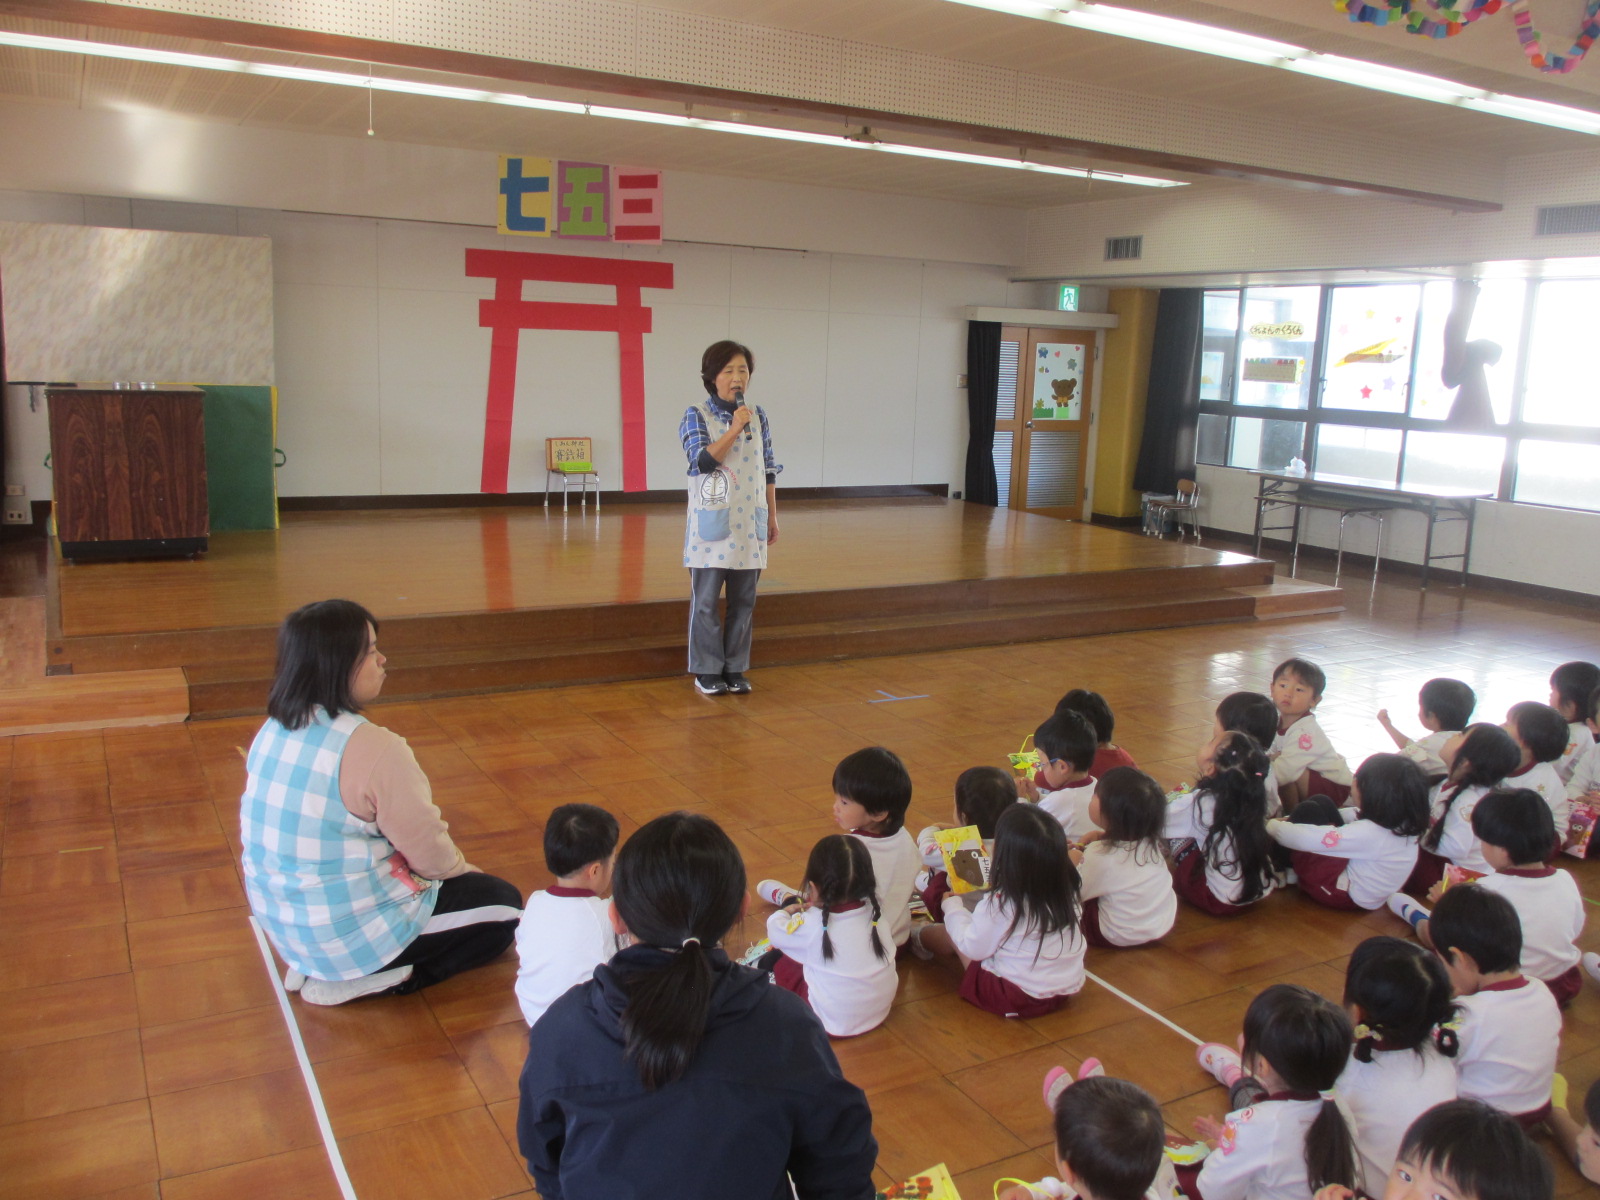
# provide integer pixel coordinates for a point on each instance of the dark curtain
(983, 388)
(1172, 404)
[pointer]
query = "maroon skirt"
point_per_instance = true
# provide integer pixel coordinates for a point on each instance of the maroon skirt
(1002, 997)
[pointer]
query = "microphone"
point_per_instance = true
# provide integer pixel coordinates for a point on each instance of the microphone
(738, 395)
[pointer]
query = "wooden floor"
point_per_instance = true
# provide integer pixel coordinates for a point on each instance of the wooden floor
(144, 1054)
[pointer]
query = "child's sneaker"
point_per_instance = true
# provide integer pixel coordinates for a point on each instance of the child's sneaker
(1059, 1079)
(915, 942)
(293, 980)
(1221, 1062)
(342, 991)
(775, 893)
(1591, 964)
(1407, 909)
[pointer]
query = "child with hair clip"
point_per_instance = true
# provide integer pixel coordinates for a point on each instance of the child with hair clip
(1398, 995)
(1514, 829)
(825, 943)
(1021, 946)
(1093, 708)
(674, 1063)
(1571, 685)
(1510, 1027)
(1585, 781)
(1541, 735)
(1463, 1150)
(1127, 890)
(1444, 706)
(1304, 761)
(1255, 714)
(1359, 864)
(1224, 862)
(982, 793)
(1288, 1135)
(1580, 1143)
(1479, 757)
(1066, 746)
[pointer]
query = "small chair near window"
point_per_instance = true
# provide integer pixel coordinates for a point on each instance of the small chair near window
(571, 458)
(1180, 509)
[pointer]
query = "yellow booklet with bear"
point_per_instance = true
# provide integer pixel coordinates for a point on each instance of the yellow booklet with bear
(966, 861)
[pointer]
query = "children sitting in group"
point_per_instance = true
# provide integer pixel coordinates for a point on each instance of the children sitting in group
(1126, 888)
(982, 793)
(1092, 707)
(871, 792)
(1444, 706)
(1286, 1135)
(825, 942)
(1571, 686)
(1221, 862)
(1021, 945)
(1402, 1064)
(1479, 757)
(1359, 864)
(1066, 747)
(1255, 714)
(1304, 762)
(565, 931)
(1541, 735)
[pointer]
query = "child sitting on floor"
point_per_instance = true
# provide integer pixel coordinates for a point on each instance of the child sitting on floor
(1580, 1143)
(1254, 714)
(565, 931)
(1444, 706)
(1541, 735)
(1127, 890)
(1286, 1136)
(871, 792)
(1304, 761)
(1514, 829)
(1222, 863)
(1359, 864)
(1571, 685)
(1021, 946)
(1479, 757)
(982, 793)
(1585, 781)
(1398, 995)
(1093, 708)
(1066, 746)
(825, 943)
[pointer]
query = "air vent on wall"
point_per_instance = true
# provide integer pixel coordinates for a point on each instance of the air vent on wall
(1124, 247)
(1557, 220)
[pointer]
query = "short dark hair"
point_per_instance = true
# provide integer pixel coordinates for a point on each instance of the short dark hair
(1450, 701)
(1518, 821)
(577, 835)
(1591, 1105)
(1067, 736)
(876, 779)
(320, 645)
(1478, 922)
(982, 794)
(1573, 682)
(1249, 713)
(719, 355)
(1093, 706)
(1110, 1132)
(1394, 794)
(1480, 1150)
(1541, 729)
(1134, 809)
(1593, 711)
(1306, 671)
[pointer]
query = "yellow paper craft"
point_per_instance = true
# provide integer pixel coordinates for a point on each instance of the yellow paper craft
(933, 1184)
(965, 860)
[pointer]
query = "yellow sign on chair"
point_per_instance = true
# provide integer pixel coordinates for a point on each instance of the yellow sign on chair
(569, 458)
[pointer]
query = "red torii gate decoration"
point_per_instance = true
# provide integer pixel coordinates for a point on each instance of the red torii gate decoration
(508, 314)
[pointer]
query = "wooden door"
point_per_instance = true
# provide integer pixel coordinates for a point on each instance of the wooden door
(1041, 448)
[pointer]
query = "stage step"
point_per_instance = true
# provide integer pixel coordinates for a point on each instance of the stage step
(105, 701)
(225, 689)
(1285, 597)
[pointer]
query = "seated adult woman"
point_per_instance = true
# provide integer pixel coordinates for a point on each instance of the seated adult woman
(347, 864)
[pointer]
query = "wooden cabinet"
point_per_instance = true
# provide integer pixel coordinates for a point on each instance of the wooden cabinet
(129, 467)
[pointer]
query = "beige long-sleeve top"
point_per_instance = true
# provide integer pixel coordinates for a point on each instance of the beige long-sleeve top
(380, 781)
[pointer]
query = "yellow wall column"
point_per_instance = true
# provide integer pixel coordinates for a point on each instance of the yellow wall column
(1124, 378)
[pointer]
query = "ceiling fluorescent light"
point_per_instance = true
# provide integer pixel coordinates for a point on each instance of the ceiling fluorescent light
(206, 62)
(1244, 47)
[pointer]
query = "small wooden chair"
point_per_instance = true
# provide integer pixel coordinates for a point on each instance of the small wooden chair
(1184, 507)
(571, 458)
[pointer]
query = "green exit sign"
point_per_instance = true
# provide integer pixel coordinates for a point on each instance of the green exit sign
(1068, 301)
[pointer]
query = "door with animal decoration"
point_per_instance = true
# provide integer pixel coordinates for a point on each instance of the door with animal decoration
(1041, 441)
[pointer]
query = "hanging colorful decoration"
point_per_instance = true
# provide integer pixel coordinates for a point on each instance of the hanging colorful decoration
(1447, 20)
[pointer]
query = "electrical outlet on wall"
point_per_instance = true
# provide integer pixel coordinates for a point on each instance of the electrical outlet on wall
(17, 514)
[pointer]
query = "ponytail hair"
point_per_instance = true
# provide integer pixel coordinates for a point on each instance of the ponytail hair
(1238, 787)
(1485, 755)
(1403, 994)
(679, 887)
(840, 868)
(1305, 1039)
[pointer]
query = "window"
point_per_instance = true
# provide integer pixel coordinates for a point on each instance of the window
(1350, 377)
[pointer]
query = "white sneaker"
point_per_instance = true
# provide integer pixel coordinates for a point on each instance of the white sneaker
(1407, 909)
(293, 980)
(342, 991)
(915, 942)
(775, 893)
(1221, 1062)
(1591, 964)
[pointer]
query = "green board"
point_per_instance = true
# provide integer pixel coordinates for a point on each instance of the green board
(239, 456)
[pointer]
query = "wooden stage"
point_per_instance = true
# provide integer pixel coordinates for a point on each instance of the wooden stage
(480, 599)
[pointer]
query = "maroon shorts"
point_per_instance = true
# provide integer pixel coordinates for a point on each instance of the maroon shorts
(1316, 785)
(1566, 985)
(791, 976)
(1189, 1179)
(1089, 924)
(1189, 881)
(1429, 871)
(1532, 1120)
(1001, 996)
(1319, 879)
(933, 895)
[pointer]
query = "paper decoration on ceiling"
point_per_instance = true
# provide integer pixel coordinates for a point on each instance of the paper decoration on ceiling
(541, 197)
(507, 314)
(1447, 21)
